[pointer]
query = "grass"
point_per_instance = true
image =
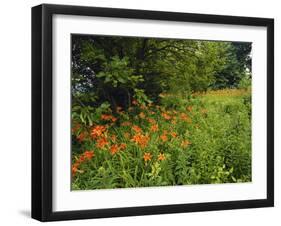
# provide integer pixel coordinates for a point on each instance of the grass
(204, 139)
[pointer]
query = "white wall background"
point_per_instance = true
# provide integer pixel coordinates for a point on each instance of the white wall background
(15, 113)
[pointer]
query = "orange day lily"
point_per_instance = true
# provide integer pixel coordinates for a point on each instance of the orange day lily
(74, 170)
(101, 142)
(81, 137)
(166, 116)
(113, 149)
(147, 156)
(141, 140)
(161, 157)
(106, 117)
(164, 137)
(89, 154)
(154, 128)
(137, 129)
(97, 131)
(123, 146)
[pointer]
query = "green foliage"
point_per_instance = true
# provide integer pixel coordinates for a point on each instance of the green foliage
(145, 112)
(216, 128)
(174, 102)
(237, 66)
(115, 68)
(117, 73)
(141, 97)
(88, 115)
(245, 82)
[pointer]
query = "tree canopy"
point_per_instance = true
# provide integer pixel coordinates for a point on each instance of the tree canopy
(117, 70)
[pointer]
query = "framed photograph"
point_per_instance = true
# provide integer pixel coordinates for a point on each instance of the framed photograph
(146, 112)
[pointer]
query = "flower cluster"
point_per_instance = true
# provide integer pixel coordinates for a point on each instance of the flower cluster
(98, 131)
(141, 140)
(108, 118)
(135, 129)
(87, 155)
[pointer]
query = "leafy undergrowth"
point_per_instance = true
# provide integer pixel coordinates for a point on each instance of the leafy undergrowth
(204, 139)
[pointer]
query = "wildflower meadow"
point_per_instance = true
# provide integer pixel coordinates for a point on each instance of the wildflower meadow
(159, 112)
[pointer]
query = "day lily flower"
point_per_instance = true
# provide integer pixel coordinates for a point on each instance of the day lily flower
(147, 156)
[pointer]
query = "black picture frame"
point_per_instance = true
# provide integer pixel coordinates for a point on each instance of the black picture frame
(42, 84)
